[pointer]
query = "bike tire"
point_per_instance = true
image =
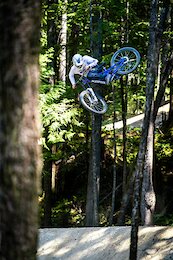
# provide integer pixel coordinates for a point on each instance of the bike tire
(99, 107)
(133, 57)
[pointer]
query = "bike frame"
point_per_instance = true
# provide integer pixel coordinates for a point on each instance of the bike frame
(114, 69)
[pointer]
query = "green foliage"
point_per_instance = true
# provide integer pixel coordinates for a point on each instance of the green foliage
(163, 220)
(133, 138)
(45, 70)
(163, 146)
(78, 26)
(59, 115)
(68, 213)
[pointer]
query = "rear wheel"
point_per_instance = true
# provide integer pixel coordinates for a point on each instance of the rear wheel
(132, 59)
(87, 100)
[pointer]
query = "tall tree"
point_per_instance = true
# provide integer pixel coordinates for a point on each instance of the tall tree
(19, 128)
(148, 199)
(52, 39)
(150, 83)
(171, 77)
(49, 166)
(114, 182)
(63, 42)
(92, 215)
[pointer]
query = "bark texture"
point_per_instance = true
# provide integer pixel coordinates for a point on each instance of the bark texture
(19, 128)
(150, 83)
(92, 215)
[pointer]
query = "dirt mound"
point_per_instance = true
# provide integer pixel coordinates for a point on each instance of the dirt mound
(104, 243)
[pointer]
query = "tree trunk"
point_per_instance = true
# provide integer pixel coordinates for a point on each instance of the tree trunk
(47, 181)
(171, 99)
(171, 76)
(95, 29)
(126, 194)
(63, 42)
(148, 199)
(52, 41)
(167, 60)
(20, 162)
(165, 73)
(54, 170)
(73, 39)
(125, 201)
(114, 182)
(150, 83)
(50, 167)
(92, 215)
(124, 119)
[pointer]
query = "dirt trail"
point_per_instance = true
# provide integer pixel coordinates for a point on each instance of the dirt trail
(104, 243)
(137, 121)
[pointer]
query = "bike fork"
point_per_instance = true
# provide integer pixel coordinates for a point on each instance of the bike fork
(93, 97)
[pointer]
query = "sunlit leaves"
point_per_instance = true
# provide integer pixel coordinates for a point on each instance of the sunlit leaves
(45, 59)
(59, 115)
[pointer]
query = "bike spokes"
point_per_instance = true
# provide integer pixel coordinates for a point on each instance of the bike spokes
(130, 57)
(93, 103)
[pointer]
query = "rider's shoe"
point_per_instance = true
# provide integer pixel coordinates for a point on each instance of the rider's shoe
(107, 78)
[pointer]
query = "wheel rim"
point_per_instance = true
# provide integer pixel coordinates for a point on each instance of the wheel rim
(131, 60)
(95, 106)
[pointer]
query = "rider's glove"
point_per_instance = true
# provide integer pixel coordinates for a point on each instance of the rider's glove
(87, 67)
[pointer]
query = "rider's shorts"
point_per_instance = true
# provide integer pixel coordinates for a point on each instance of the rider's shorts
(96, 73)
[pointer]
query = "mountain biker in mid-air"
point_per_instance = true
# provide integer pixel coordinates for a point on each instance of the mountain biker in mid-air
(88, 67)
(123, 62)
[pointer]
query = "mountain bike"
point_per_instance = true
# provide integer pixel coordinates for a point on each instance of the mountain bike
(123, 62)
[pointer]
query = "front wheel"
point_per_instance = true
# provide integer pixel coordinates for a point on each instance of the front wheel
(132, 59)
(88, 101)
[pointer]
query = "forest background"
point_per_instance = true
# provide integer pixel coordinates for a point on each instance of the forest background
(74, 192)
(93, 174)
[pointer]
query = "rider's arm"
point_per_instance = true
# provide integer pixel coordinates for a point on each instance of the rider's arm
(94, 63)
(90, 61)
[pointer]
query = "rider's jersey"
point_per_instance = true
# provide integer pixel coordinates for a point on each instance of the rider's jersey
(87, 60)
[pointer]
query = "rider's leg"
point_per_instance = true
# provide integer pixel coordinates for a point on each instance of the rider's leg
(94, 75)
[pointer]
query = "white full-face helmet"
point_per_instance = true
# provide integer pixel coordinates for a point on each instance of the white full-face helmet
(77, 60)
